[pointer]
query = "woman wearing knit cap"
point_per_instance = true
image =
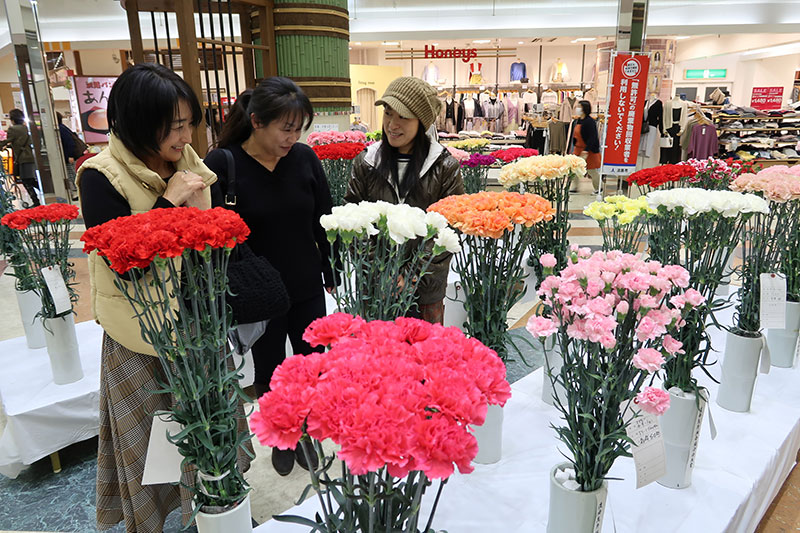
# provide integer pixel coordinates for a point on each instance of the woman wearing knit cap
(410, 167)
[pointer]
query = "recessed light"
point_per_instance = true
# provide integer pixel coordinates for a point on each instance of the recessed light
(481, 41)
(357, 44)
(584, 39)
(681, 37)
(390, 43)
(435, 44)
(521, 42)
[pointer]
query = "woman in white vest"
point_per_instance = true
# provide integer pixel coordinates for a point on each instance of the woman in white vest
(148, 164)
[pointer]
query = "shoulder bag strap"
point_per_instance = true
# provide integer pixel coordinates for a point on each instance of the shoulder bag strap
(230, 194)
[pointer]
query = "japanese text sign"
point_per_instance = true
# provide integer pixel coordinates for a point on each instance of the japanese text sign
(92, 94)
(767, 98)
(625, 111)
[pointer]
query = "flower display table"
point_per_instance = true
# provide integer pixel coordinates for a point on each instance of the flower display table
(736, 477)
(43, 417)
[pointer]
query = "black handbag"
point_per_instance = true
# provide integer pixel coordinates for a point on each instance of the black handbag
(257, 292)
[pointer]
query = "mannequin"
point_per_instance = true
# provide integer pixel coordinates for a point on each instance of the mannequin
(513, 105)
(675, 117)
(494, 110)
(649, 145)
(449, 113)
(518, 70)
(475, 76)
(431, 74)
(559, 73)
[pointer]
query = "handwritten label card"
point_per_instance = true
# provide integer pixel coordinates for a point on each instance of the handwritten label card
(58, 289)
(162, 463)
(773, 301)
(648, 452)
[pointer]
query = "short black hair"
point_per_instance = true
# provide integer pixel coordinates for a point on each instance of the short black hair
(16, 116)
(272, 99)
(60, 117)
(143, 103)
(587, 107)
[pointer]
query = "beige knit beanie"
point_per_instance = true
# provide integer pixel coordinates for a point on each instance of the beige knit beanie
(412, 98)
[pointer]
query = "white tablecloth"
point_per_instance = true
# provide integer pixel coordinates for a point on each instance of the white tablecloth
(736, 477)
(43, 417)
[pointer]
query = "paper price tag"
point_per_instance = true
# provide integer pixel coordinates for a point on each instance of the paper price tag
(602, 498)
(773, 301)
(648, 452)
(163, 461)
(57, 288)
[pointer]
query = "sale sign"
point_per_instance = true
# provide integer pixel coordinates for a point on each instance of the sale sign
(625, 111)
(767, 98)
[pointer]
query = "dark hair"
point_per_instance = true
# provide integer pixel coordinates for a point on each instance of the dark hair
(272, 99)
(16, 116)
(387, 160)
(587, 107)
(60, 117)
(143, 103)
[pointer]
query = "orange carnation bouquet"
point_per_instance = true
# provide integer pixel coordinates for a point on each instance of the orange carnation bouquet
(495, 228)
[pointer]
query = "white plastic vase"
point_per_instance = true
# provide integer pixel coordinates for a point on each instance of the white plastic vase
(783, 342)
(680, 426)
(553, 360)
(573, 511)
(62, 347)
(454, 312)
(29, 305)
(490, 436)
(236, 520)
(739, 370)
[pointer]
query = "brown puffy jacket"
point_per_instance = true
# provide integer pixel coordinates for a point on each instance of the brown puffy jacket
(440, 177)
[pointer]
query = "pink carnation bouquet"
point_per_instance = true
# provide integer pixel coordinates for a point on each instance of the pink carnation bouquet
(398, 398)
(612, 315)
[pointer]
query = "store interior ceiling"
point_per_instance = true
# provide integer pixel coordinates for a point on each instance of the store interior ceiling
(101, 23)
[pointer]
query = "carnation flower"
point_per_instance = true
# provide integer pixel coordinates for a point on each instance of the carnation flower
(548, 260)
(648, 359)
(653, 400)
(541, 327)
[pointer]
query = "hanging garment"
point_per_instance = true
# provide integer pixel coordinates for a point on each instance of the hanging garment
(549, 98)
(431, 74)
(655, 114)
(493, 111)
(559, 73)
(591, 97)
(558, 137)
(565, 114)
(704, 142)
(475, 75)
(670, 106)
(686, 137)
(518, 71)
(513, 104)
(535, 139)
(529, 99)
(649, 149)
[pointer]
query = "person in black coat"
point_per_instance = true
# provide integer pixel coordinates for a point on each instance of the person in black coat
(587, 143)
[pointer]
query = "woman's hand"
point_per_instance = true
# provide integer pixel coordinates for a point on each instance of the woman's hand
(199, 200)
(182, 188)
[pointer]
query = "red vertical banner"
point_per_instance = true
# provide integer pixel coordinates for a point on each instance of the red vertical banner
(625, 111)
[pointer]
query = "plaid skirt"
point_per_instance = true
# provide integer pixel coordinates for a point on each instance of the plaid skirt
(126, 408)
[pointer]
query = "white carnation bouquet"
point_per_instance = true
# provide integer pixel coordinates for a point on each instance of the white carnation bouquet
(383, 251)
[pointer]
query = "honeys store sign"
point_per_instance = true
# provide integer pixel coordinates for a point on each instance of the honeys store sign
(465, 54)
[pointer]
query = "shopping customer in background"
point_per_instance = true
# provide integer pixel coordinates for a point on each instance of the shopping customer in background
(281, 191)
(587, 144)
(19, 138)
(410, 167)
(70, 153)
(148, 164)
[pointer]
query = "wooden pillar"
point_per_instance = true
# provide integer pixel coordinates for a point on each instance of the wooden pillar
(184, 13)
(135, 30)
(247, 53)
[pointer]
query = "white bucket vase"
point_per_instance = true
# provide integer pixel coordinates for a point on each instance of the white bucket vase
(739, 370)
(236, 520)
(490, 436)
(29, 305)
(553, 361)
(783, 342)
(62, 347)
(573, 511)
(680, 426)
(454, 312)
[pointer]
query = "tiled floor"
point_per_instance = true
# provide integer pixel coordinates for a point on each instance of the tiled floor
(39, 500)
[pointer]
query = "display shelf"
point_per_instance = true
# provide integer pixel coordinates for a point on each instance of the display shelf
(795, 117)
(759, 129)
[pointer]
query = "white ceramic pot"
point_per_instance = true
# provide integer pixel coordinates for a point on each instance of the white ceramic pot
(236, 520)
(553, 361)
(62, 347)
(573, 511)
(783, 342)
(739, 370)
(30, 304)
(490, 437)
(680, 426)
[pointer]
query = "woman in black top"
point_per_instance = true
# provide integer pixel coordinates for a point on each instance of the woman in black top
(19, 139)
(281, 192)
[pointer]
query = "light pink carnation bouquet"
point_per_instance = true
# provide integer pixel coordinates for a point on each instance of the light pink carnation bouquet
(612, 314)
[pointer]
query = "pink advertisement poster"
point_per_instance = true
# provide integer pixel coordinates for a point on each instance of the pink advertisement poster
(93, 94)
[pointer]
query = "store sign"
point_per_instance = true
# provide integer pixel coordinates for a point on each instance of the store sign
(92, 95)
(705, 74)
(628, 95)
(767, 98)
(465, 54)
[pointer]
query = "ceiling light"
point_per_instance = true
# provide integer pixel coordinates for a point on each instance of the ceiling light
(390, 43)
(777, 49)
(435, 44)
(520, 42)
(584, 39)
(357, 44)
(481, 41)
(682, 37)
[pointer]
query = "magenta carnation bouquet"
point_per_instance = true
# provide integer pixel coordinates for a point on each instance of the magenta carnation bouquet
(611, 317)
(398, 398)
(475, 171)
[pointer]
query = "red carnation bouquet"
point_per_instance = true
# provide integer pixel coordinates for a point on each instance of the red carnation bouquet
(44, 233)
(512, 154)
(398, 398)
(666, 176)
(337, 161)
(171, 265)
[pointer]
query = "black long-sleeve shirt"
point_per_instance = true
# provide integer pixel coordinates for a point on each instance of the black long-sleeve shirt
(282, 209)
(101, 202)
